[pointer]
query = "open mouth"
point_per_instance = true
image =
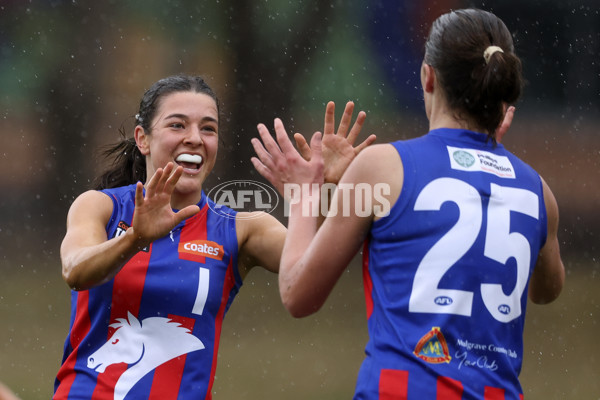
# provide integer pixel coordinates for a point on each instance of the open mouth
(189, 162)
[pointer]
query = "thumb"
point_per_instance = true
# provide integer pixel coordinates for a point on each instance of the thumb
(302, 146)
(316, 145)
(139, 194)
(367, 142)
(186, 213)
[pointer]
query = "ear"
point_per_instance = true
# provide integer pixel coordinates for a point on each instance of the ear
(509, 113)
(428, 78)
(142, 140)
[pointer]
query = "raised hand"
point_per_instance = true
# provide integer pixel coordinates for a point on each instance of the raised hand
(154, 217)
(338, 147)
(280, 163)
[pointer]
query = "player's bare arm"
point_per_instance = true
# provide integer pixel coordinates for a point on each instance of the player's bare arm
(311, 268)
(89, 258)
(548, 275)
(260, 239)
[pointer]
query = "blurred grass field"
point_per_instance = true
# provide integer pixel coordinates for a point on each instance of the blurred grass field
(266, 354)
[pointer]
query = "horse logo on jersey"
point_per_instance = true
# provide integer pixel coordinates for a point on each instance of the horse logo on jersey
(144, 345)
(432, 347)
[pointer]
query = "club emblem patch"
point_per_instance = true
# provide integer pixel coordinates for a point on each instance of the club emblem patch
(432, 347)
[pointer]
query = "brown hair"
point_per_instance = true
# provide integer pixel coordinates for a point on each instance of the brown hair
(474, 88)
(128, 165)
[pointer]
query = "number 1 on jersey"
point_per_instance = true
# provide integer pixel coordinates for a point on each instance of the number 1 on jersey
(202, 294)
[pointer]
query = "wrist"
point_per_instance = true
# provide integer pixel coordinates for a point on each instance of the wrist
(135, 242)
(304, 200)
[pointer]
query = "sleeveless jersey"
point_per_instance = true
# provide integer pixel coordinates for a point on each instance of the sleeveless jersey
(446, 272)
(153, 331)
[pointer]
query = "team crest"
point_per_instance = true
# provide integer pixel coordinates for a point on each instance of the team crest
(432, 347)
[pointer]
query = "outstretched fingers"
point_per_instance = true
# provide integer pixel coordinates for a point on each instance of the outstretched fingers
(163, 180)
(273, 151)
(161, 183)
(344, 129)
(153, 182)
(171, 177)
(269, 156)
(329, 127)
(316, 147)
(346, 119)
(264, 155)
(186, 213)
(357, 127)
(365, 143)
(139, 194)
(263, 162)
(302, 146)
(265, 172)
(283, 140)
(268, 143)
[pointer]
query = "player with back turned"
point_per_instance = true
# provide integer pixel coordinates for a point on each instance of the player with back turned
(470, 234)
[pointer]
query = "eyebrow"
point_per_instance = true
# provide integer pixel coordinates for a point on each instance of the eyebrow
(183, 116)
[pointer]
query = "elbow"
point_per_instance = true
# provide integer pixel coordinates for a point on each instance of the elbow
(300, 294)
(546, 295)
(299, 307)
(71, 280)
(300, 311)
(70, 272)
(542, 300)
(547, 279)
(68, 276)
(546, 291)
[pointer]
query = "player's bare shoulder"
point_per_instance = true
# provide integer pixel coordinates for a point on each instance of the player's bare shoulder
(92, 203)
(255, 223)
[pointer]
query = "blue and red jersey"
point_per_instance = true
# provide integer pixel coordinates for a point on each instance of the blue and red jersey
(153, 331)
(446, 272)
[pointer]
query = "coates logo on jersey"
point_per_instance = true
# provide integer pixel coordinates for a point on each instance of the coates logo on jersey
(243, 195)
(196, 250)
(432, 347)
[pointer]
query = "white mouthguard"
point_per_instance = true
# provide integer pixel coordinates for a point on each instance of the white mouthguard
(189, 158)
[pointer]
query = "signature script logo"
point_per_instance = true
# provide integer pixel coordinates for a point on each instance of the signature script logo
(481, 362)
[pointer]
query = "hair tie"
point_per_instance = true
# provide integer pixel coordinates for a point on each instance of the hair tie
(489, 51)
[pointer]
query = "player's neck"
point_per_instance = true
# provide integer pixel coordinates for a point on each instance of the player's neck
(442, 117)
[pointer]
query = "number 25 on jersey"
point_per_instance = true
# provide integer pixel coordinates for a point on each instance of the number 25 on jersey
(500, 245)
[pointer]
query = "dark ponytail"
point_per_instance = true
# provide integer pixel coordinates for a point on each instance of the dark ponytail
(127, 164)
(476, 88)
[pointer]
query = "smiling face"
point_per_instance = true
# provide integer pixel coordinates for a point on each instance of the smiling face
(184, 131)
